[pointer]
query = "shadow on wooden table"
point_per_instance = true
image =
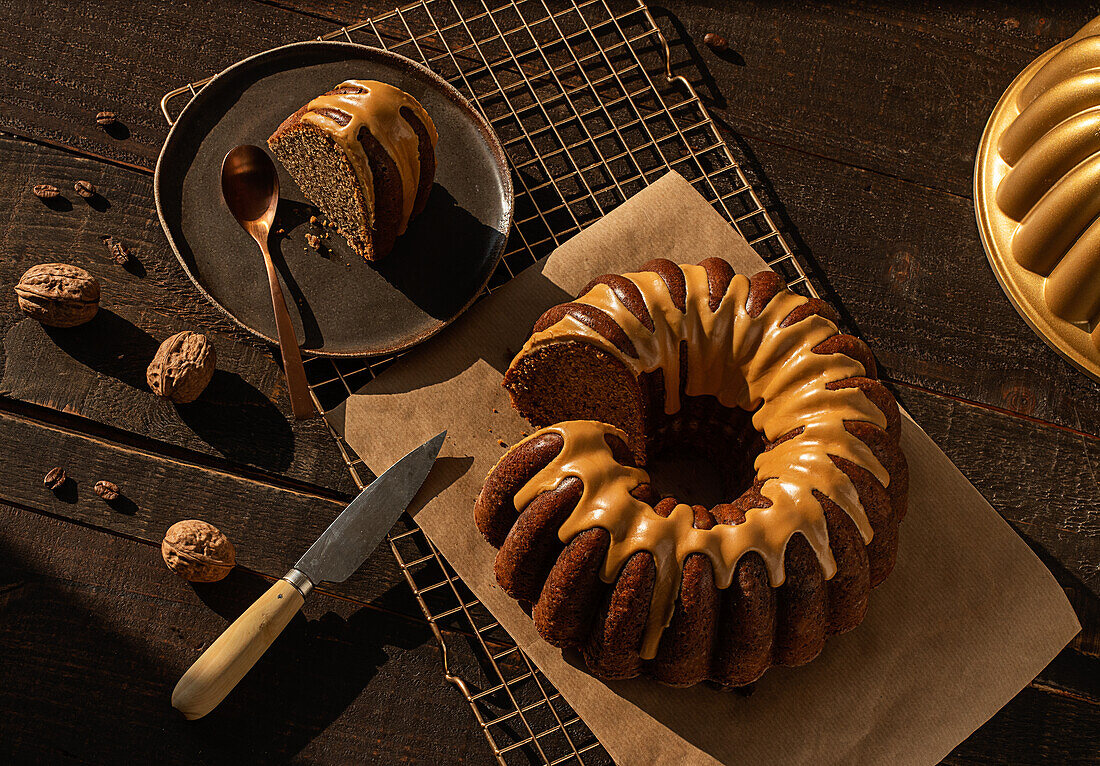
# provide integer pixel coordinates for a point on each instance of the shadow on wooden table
(110, 345)
(231, 415)
(116, 707)
(315, 670)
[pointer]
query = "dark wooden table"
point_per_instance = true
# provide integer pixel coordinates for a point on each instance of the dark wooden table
(859, 123)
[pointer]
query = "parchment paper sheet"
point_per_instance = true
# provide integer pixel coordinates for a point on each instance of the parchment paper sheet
(968, 617)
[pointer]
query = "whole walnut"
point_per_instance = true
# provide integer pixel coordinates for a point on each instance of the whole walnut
(58, 295)
(182, 367)
(197, 551)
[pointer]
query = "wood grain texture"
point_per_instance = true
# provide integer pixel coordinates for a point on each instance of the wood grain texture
(365, 685)
(1041, 480)
(866, 118)
(270, 525)
(95, 631)
(1038, 726)
(97, 370)
(123, 57)
(906, 268)
(845, 79)
(859, 120)
(979, 441)
(799, 76)
(900, 88)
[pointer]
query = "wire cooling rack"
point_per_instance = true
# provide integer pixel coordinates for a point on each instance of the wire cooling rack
(585, 100)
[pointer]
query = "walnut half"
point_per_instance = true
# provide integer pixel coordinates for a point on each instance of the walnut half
(197, 551)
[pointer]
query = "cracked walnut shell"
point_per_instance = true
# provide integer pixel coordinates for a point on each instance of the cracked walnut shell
(58, 295)
(182, 367)
(197, 551)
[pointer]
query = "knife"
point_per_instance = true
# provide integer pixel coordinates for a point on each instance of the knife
(336, 554)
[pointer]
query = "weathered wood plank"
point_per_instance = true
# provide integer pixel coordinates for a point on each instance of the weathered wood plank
(169, 46)
(63, 67)
(270, 525)
(1039, 479)
(922, 293)
(95, 632)
(845, 80)
(905, 266)
(901, 88)
(97, 371)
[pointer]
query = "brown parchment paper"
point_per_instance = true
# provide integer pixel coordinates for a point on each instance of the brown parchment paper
(968, 617)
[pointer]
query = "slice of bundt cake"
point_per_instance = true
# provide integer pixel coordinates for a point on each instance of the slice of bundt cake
(364, 153)
(680, 356)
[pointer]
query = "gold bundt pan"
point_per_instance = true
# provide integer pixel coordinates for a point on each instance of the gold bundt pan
(1037, 196)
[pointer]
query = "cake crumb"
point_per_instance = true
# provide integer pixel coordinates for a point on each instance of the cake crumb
(313, 241)
(313, 219)
(502, 443)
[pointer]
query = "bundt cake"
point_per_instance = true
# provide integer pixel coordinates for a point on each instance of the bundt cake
(740, 371)
(364, 153)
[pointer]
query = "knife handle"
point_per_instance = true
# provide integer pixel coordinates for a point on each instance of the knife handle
(217, 671)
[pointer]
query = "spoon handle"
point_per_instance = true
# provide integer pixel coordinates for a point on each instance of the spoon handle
(300, 403)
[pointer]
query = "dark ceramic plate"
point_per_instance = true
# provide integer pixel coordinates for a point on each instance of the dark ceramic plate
(341, 304)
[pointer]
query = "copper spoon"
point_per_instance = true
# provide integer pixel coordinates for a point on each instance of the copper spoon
(250, 186)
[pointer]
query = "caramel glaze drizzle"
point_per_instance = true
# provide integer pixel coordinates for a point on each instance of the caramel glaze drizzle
(744, 361)
(377, 107)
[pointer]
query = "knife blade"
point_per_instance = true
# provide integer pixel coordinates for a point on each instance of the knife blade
(337, 553)
(351, 537)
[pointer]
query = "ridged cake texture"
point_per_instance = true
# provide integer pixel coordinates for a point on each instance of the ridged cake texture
(681, 354)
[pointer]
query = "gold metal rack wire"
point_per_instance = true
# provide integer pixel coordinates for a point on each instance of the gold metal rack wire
(589, 105)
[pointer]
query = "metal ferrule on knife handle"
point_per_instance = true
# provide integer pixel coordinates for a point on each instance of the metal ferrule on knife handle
(299, 580)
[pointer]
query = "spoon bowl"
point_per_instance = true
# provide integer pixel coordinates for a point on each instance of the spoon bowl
(250, 187)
